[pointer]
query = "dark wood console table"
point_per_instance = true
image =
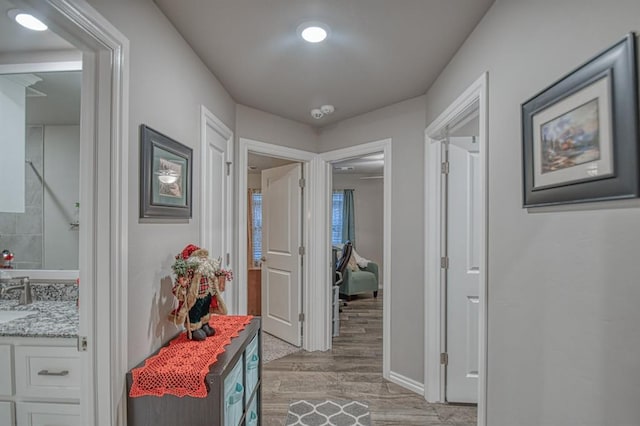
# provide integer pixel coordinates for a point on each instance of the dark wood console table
(234, 391)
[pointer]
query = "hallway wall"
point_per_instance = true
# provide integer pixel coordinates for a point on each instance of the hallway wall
(563, 282)
(168, 83)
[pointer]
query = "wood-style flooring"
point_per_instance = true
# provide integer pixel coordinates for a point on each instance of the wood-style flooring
(352, 370)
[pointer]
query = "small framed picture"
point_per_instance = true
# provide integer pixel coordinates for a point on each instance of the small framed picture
(580, 135)
(165, 176)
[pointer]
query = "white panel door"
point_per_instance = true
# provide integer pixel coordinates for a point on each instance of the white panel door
(281, 239)
(463, 274)
(215, 195)
(216, 221)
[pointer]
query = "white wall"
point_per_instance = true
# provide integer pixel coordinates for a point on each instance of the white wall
(404, 123)
(254, 181)
(368, 205)
(61, 193)
(262, 126)
(12, 145)
(563, 284)
(168, 83)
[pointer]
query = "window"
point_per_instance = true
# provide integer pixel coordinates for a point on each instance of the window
(256, 203)
(336, 217)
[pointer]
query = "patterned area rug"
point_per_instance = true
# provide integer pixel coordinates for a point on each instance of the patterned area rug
(328, 412)
(274, 348)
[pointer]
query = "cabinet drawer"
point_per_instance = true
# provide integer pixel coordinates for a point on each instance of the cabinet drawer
(6, 380)
(252, 360)
(251, 418)
(41, 414)
(47, 372)
(6, 413)
(234, 395)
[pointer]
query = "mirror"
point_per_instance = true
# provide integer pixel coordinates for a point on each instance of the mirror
(42, 233)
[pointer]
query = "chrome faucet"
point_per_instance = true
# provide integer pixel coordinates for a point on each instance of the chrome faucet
(25, 286)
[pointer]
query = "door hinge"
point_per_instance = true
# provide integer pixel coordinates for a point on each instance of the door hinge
(229, 163)
(301, 317)
(444, 262)
(444, 167)
(444, 358)
(228, 258)
(301, 182)
(302, 251)
(82, 343)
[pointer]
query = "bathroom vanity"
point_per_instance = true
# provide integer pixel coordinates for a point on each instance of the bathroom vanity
(38, 348)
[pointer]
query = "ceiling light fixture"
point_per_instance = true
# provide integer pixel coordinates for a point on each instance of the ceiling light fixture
(313, 32)
(27, 20)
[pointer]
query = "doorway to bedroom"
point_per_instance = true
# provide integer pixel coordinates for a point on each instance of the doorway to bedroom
(357, 220)
(357, 182)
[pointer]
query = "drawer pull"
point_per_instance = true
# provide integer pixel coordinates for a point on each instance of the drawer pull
(53, 373)
(253, 362)
(236, 397)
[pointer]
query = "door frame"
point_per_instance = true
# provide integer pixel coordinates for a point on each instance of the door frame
(434, 302)
(210, 122)
(325, 260)
(311, 291)
(103, 262)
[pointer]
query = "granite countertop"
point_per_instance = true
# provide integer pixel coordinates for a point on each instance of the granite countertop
(55, 319)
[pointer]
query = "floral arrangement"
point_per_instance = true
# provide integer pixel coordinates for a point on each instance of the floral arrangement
(186, 265)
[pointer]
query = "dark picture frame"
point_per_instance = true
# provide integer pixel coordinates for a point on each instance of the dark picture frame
(580, 135)
(165, 176)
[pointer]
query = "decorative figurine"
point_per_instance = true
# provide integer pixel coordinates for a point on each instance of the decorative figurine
(197, 290)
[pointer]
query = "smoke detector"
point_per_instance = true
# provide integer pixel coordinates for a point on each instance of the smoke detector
(317, 113)
(327, 109)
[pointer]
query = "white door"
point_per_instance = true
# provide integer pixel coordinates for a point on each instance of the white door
(281, 260)
(216, 187)
(463, 273)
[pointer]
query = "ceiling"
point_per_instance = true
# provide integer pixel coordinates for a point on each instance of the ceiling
(378, 52)
(61, 105)
(14, 38)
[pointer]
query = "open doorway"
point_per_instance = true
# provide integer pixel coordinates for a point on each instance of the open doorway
(357, 218)
(378, 151)
(290, 305)
(274, 236)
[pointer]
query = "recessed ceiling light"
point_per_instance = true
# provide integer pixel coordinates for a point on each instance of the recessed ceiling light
(27, 20)
(313, 32)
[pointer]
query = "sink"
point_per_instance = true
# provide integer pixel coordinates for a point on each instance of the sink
(6, 316)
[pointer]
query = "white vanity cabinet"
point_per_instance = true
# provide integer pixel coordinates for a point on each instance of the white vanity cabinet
(43, 384)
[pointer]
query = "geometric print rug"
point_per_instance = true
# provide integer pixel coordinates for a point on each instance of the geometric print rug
(328, 413)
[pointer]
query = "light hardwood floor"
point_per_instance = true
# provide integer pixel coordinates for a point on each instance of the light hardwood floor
(352, 370)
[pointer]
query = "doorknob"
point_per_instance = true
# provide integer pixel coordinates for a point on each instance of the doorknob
(263, 259)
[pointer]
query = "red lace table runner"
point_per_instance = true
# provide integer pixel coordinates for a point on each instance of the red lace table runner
(181, 367)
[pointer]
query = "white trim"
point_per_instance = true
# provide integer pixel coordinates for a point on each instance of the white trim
(324, 260)
(406, 383)
(40, 274)
(434, 380)
(209, 120)
(310, 284)
(41, 67)
(104, 197)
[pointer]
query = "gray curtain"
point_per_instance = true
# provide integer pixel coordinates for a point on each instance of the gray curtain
(348, 218)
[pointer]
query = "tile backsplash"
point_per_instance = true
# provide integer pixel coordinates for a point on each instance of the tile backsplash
(50, 291)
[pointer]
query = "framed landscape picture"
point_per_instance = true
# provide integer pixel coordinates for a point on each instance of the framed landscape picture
(165, 176)
(580, 135)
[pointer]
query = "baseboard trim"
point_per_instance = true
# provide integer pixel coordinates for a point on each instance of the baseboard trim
(406, 383)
